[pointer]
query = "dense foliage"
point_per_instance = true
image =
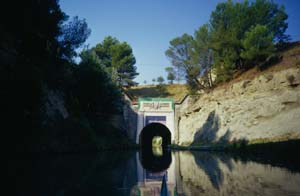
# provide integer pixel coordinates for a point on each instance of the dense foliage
(118, 59)
(238, 36)
(37, 50)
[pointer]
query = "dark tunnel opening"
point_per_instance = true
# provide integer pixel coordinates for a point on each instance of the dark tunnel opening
(151, 161)
(153, 130)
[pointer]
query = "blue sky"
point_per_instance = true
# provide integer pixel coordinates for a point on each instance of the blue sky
(148, 26)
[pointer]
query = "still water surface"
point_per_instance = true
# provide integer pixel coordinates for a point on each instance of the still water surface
(141, 173)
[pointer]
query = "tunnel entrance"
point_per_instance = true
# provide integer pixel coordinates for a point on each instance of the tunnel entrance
(153, 131)
(154, 155)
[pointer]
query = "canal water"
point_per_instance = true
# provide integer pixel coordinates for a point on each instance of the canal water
(141, 172)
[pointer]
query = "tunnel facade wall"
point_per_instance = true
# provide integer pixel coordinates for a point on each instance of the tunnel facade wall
(142, 116)
(159, 107)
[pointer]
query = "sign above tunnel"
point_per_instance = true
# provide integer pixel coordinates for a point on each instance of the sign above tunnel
(156, 119)
(156, 104)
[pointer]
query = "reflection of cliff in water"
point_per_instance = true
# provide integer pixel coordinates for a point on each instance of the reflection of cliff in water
(210, 165)
(209, 173)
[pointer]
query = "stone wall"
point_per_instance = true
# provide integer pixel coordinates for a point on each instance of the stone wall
(267, 106)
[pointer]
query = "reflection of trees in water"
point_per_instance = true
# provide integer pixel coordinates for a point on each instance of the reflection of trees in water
(227, 160)
(210, 166)
(209, 163)
(213, 163)
(219, 173)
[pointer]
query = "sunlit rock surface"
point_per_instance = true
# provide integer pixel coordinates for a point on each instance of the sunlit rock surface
(266, 107)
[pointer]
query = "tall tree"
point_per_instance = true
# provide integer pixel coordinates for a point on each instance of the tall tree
(229, 23)
(272, 15)
(171, 74)
(160, 80)
(75, 32)
(202, 54)
(97, 95)
(31, 60)
(153, 80)
(257, 44)
(180, 54)
(119, 60)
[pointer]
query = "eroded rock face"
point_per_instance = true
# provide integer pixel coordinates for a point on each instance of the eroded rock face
(266, 107)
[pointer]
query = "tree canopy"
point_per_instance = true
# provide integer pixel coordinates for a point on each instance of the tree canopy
(238, 35)
(37, 51)
(171, 74)
(160, 80)
(118, 59)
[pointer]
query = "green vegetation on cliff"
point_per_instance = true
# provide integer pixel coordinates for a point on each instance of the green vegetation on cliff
(255, 110)
(237, 36)
(118, 60)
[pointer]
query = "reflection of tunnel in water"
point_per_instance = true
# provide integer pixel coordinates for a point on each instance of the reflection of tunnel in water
(154, 163)
(150, 160)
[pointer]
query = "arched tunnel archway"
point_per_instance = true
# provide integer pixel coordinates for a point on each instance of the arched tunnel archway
(151, 161)
(152, 130)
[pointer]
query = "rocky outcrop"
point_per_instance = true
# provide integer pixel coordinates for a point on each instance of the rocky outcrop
(267, 106)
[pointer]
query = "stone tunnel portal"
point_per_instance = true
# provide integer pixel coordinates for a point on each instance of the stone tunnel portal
(155, 110)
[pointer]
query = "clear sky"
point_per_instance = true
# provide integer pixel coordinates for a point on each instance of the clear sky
(149, 25)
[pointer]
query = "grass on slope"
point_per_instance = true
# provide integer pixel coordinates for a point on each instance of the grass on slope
(175, 91)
